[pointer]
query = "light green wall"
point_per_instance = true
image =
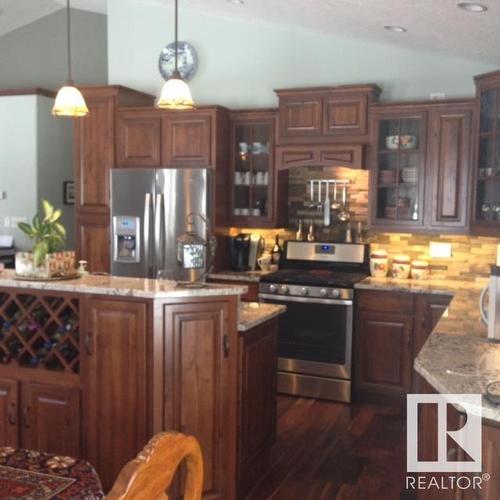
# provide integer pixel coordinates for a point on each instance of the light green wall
(18, 160)
(241, 63)
(35, 55)
(35, 158)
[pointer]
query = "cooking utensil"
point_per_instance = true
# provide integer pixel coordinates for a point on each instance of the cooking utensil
(320, 203)
(335, 204)
(310, 234)
(326, 206)
(344, 214)
(311, 203)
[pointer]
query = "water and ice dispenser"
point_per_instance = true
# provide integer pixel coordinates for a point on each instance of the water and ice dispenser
(127, 241)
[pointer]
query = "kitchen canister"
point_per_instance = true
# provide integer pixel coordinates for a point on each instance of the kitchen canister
(401, 267)
(379, 263)
(420, 270)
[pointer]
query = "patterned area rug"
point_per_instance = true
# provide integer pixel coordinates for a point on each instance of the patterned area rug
(17, 483)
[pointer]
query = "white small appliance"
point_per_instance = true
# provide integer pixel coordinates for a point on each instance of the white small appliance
(490, 309)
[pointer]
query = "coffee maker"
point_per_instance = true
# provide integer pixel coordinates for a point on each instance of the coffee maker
(239, 252)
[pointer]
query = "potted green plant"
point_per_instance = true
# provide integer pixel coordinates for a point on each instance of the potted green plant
(49, 236)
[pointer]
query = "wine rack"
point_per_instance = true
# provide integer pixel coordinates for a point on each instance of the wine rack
(40, 332)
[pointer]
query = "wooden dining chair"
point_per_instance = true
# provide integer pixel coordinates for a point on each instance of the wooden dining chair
(150, 474)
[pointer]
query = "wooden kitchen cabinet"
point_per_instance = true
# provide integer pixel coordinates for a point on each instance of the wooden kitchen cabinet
(390, 330)
(257, 401)
(421, 183)
(51, 419)
(187, 139)
(94, 241)
(383, 354)
(258, 191)
(138, 138)
(200, 396)
(9, 412)
(449, 166)
(486, 172)
(323, 115)
(115, 383)
(94, 157)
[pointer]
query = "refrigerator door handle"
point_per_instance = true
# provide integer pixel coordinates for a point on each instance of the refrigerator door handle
(147, 231)
(158, 249)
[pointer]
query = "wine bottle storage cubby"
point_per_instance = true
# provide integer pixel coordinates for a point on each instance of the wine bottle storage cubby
(40, 332)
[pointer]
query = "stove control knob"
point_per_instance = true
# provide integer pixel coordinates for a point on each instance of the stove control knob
(323, 292)
(285, 290)
(273, 288)
(335, 294)
(304, 291)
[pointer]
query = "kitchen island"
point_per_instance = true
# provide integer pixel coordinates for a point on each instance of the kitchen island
(93, 367)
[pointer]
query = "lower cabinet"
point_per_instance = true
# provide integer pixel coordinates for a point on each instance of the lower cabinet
(9, 413)
(490, 489)
(115, 384)
(51, 419)
(257, 400)
(42, 417)
(200, 396)
(390, 330)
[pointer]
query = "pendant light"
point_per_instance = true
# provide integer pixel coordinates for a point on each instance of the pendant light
(69, 100)
(175, 93)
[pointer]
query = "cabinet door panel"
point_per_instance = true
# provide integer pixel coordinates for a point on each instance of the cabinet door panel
(196, 385)
(9, 420)
(345, 116)
(449, 158)
(51, 419)
(187, 140)
(94, 154)
(138, 136)
(93, 241)
(383, 347)
(115, 383)
(300, 116)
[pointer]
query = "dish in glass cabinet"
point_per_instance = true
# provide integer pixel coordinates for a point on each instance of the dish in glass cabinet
(187, 61)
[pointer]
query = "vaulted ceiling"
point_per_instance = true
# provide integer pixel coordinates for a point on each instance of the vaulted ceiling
(433, 25)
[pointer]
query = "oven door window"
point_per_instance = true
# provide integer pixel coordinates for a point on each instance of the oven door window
(314, 332)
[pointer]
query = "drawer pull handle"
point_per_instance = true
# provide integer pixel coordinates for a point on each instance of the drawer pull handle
(88, 343)
(26, 421)
(11, 413)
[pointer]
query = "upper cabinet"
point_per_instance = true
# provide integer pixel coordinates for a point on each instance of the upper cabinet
(486, 218)
(420, 166)
(256, 199)
(153, 138)
(325, 114)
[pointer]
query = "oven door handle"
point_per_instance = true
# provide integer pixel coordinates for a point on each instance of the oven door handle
(305, 300)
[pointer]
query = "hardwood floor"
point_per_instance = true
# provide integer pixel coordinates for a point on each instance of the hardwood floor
(336, 451)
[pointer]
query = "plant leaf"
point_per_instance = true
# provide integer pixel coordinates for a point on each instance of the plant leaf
(40, 250)
(48, 209)
(26, 228)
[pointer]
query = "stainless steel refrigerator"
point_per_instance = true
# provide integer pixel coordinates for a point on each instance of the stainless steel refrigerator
(148, 212)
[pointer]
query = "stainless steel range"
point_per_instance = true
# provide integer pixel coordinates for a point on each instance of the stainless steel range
(316, 283)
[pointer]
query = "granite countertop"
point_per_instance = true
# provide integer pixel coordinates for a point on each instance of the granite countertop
(252, 314)
(462, 316)
(250, 276)
(120, 286)
(457, 357)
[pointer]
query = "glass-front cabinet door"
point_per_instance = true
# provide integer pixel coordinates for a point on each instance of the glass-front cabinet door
(252, 169)
(398, 164)
(487, 210)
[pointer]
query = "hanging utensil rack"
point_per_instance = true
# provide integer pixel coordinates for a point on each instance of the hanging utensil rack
(316, 193)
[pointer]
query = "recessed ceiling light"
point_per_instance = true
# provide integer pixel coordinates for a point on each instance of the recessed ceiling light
(472, 6)
(396, 29)
(236, 2)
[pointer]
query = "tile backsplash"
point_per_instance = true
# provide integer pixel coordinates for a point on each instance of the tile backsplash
(471, 256)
